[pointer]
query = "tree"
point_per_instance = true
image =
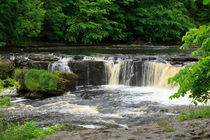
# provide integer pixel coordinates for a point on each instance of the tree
(195, 78)
(54, 25)
(88, 23)
(8, 10)
(30, 18)
(158, 21)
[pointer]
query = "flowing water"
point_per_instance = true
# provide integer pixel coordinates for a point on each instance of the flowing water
(114, 90)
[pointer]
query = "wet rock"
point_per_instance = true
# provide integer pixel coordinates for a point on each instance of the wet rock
(185, 59)
(89, 72)
(43, 57)
(136, 133)
(22, 62)
(39, 64)
(77, 57)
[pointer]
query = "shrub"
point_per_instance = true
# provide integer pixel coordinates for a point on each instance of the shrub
(25, 132)
(40, 80)
(195, 78)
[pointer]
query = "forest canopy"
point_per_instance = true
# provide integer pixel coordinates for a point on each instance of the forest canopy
(98, 21)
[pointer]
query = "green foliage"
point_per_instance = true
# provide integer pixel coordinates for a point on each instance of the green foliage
(159, 21)
(19, 77)
(11, 131)
(40, 80)
(88, 24)
(5, 101)
(202, 12)
(27, 131)
(5, 71)
(54, 21)
(195, 113)
(7, 21)
(94, 21)
(30, 18)
(195, 78)
(2, 44)
(199, 38)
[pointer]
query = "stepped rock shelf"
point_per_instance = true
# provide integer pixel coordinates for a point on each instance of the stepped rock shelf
(114, 90)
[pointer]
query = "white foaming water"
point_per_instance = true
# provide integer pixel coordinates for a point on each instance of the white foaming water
(60, 65)
(135, 95)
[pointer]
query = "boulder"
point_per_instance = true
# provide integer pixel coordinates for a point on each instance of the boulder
(19, 76)
(89, 72)
(65, 82)
(39, 64)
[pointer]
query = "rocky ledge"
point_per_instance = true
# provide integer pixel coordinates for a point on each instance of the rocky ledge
(198, 129)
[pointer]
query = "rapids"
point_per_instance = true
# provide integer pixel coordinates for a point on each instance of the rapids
(114, 90)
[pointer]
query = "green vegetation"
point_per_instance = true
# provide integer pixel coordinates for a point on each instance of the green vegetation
(11, 131)
(95, 21)
(165, 124)
(195, 78)
(5, 71)
(40, 80)
(199, 112)
(27, 131)
(36, 83)
(162, 123)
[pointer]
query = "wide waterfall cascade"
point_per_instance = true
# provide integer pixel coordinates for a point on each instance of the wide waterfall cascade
(130, 73)
(119, 71)
(60, 65)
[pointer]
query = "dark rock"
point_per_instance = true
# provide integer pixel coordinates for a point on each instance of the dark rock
(89, 72)
(43, 57)
(22, 62)
(184, 59)
(78, 57)
(39, 64)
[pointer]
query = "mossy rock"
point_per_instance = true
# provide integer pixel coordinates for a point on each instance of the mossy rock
(65, 82)
(5, 71)
(70, 79)
(19, 76)
(33, 95)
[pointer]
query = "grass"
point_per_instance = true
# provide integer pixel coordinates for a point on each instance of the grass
(195, 113)
(170, 129)
(162, 123)
(165, 124)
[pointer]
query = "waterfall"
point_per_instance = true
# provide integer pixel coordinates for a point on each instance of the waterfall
(157, 74)
(60, 65)
(139, 73)
(113, 72)
(116, 71)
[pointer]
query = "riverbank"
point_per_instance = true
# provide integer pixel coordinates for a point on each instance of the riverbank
(197, 129)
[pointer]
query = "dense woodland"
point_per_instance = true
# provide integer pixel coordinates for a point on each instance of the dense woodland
(99, 21)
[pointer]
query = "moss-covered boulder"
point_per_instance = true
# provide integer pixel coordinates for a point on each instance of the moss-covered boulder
(5, 70)
(19, 75)
(40, 83)
(70, 80)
